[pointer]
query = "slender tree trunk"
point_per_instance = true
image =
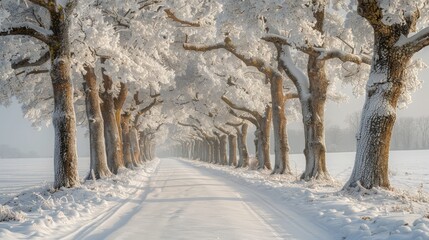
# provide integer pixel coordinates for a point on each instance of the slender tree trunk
(242, 146)
(64, 120)
(98, 160)
(223, 143)
(216, 147)
(258, 148)
(265, 136)
(119, 103)
(126, 141)
(281, 146)
(313, 112)
(142, 147)
(135, 146)
(232, 160)
(111, 134)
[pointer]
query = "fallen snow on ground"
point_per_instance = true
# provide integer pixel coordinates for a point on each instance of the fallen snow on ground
(43, 213)
(375, 214)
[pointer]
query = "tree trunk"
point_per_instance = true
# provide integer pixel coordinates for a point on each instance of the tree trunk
(64, 119)
(98, 160)
(126, 141)
(232, 160)
(118, 104)
(265, 136)
(111, 134)
(379, 112)
(223, 143)
(258, 148)
(142, 147)
(242, 146)
(313, 112)
(281, 146)
(216, 147)
(135, 146)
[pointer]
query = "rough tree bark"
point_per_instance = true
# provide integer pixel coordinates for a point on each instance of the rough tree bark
(98, 160)
(111, 133)
(64, 120)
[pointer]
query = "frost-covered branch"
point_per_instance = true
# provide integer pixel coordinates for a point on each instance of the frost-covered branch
(27, 62)
(416, 42)
(255, 114)
(277, 39)
(299, 79)
(343, 56)
(28, 29)
(172, 16)
(41, 3)
(321, 52)
(250, 119)
(258, 63)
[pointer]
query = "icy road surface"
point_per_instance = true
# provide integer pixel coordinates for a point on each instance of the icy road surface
(183, 201)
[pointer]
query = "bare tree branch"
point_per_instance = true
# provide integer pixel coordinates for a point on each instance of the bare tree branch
(172, 16)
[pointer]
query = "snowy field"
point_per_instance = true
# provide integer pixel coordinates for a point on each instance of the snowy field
(19, 174)
(184, 199)
(408, 169)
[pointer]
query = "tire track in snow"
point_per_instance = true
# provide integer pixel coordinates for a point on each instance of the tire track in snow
(85, 231)
(287, 222)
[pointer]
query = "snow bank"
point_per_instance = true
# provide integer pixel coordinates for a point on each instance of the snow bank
(375, 214)
(42, 212)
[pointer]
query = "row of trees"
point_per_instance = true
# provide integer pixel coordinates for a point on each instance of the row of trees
(101, 74)
(260, 62)
(300, 49)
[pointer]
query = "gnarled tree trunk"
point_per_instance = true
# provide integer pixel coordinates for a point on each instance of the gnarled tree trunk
(392, 54)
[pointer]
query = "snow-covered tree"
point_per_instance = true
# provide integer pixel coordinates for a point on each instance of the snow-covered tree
(399, 31)
(47, 24)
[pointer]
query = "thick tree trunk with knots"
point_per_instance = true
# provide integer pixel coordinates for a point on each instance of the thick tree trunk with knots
(385, 85)
(98, 160)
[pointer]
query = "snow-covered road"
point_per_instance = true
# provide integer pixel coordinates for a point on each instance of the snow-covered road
(183, 201)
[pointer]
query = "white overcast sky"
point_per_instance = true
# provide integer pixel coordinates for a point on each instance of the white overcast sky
(16, 132)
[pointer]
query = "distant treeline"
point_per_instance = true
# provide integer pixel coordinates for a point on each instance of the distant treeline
(10, 152)
(408, 134)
